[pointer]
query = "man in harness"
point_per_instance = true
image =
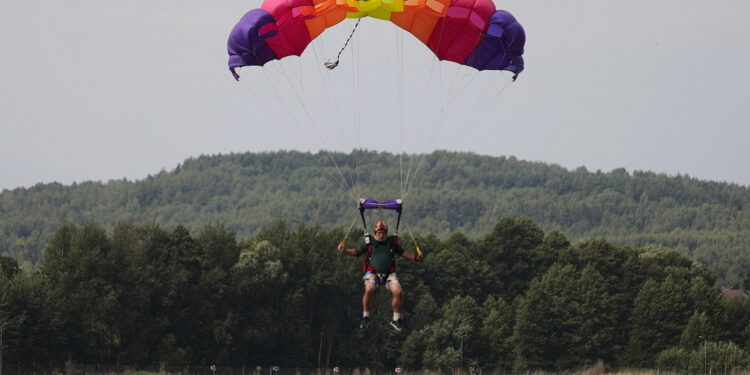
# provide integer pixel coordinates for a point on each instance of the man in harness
(379, 267)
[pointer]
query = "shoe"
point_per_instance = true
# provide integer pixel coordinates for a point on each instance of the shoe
(396, 324)
(365, 321)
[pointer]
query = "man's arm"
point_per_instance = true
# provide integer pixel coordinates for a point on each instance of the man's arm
(410, 256)
(342, 250)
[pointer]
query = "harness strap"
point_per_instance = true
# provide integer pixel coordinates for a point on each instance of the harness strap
(398, 221)
(362, 215)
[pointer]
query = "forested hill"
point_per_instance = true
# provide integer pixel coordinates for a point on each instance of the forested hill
(707, 221)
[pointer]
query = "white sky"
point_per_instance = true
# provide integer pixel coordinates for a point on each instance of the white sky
(105, 89)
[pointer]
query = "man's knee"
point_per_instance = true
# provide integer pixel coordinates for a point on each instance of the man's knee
(370, 289)
(396, 290)
(370, 280)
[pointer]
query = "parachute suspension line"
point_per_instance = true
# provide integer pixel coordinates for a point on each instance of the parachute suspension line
(319, 132)
(422, 122)
(279, 98)
(500, 92)
(278, 117)
(433, 136)
(301, 76)
(480, 108)
(297, 93)
(326, 78)
(453, 85)
(400, 78)
(355, 52)
(501, 75)
(442, 117)
(331, 64)
(507, 84)
(413, 239)
(345, 183)
(353, 172)
(456, 94)
(265, 104)
(346, 236)
(440, 66)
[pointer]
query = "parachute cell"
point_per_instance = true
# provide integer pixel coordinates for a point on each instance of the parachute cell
(469, 32)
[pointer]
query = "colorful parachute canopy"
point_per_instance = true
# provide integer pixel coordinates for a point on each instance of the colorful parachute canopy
(469, 32)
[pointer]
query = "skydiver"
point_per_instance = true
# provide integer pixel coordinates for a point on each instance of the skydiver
(379, 268)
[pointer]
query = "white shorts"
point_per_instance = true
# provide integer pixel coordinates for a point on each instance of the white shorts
(372, 278)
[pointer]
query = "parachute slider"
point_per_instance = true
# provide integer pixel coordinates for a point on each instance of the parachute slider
(371, 204)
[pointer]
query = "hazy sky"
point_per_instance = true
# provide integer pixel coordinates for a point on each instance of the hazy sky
(100, 90)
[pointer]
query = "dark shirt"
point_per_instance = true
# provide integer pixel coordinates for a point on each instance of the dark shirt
(381, 258)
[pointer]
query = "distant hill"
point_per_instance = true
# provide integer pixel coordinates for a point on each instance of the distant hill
(707, 221)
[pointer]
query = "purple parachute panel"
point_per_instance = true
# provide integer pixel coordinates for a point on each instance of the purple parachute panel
(501, 46)
(247, 45)
(371, 204)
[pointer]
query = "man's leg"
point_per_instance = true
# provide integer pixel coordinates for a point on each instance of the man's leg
(396, 300)
(369, 295)
(370, 287)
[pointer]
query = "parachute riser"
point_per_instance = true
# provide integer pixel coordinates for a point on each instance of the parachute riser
(398, 221)
(364, 224)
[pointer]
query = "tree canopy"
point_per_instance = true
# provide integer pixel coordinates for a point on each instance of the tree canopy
(455, 192)
(515, 298)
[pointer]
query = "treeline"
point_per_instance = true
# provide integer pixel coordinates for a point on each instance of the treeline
(515, 298)
(707, 221)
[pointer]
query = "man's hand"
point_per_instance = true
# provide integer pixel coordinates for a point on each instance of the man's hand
(418, 257)
(341, 247)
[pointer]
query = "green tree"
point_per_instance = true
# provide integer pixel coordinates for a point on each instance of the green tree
(150, 276)
(413, 350)
(440, 349)
(452, 341)
(734, 317)
(704, 298)
(698, 328)
(463, 272)
(8, 267)
(258, 279)
(564, 321)
(676, 359)
(33, 333)
(658, 319)
(595, 318)
(496, 332)
(425, 311)
(81, 266)
(516, 251)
